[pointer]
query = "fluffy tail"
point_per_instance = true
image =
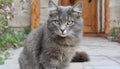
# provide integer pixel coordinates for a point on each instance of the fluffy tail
(81, 57)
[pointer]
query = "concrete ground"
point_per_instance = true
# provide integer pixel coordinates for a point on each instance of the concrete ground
(103, 53)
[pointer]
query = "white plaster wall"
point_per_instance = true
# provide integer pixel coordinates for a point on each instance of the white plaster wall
(114, 12)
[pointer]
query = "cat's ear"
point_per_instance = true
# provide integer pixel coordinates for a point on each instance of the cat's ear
(77, 7)
(52, 6)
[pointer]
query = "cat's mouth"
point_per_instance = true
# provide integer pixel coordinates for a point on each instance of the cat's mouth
(62, 35)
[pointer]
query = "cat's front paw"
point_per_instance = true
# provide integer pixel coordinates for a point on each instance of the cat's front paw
(50, 68)
(54, 62)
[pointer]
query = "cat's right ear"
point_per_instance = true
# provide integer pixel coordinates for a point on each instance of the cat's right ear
(52, 7)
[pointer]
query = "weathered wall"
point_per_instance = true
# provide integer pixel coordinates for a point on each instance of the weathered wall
(114, 12)
(21, 15)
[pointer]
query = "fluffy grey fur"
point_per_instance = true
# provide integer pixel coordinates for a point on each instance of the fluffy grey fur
(53, 45)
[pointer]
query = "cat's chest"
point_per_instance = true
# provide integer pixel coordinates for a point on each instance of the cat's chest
(60, 43)
(68, 51)
(63, 47)
(63, 51)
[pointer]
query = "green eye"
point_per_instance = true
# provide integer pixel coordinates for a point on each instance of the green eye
(57, 21)
(70, 22)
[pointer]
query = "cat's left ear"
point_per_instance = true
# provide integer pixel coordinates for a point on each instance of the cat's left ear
(77, 7)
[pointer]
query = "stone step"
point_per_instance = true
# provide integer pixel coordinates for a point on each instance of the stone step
(76, 66)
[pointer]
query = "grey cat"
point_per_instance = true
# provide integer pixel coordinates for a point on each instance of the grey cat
(54, 44)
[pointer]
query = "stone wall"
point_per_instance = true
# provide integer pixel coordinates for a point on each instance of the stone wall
(114, 12)
(21, 15)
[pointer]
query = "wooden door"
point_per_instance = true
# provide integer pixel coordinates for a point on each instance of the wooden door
(90, 16)
(89, 13)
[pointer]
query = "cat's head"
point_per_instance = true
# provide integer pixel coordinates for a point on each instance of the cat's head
(64, 20)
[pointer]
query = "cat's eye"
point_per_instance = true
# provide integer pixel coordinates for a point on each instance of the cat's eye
(57, 21)
(70, 22)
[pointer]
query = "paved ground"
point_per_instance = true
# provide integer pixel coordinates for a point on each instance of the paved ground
(104, 54)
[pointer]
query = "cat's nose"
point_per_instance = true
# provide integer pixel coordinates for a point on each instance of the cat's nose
(62, 30)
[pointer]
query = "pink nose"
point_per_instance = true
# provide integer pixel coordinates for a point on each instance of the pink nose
(62, 30)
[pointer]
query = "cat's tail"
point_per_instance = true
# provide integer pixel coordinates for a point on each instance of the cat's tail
(81, 57)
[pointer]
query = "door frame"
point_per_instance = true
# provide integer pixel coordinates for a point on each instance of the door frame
(107, 17)
(35, 14)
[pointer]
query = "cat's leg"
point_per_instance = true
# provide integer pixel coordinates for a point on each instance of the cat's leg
(24, 62)
(49, 65)
(65, 64)
(49, 62)
(50, 68)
